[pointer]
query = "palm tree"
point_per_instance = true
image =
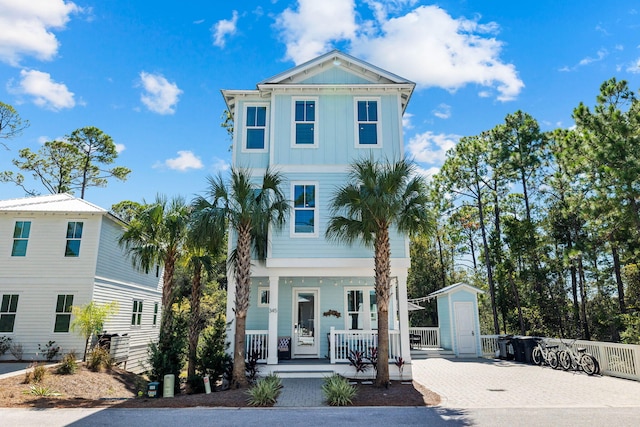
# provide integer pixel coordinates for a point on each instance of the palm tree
(250, 211)
(156, 237)
(376, 197)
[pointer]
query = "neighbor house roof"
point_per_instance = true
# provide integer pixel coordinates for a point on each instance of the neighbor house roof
(50, 203)
(456, 287)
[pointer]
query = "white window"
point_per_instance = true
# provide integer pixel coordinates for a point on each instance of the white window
(136, 316)
(20, 238)
(74, 236)
(63, 313)
(305, 210)
(8, 311)
(361, 309)
(155, 313)
(305, 122)
(255, 127)
(263, 296)
(368, 122)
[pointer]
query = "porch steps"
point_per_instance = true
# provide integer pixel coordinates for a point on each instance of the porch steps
(428, 353)
(303, 373)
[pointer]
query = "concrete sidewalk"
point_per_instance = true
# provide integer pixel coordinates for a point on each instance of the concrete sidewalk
(483, 383)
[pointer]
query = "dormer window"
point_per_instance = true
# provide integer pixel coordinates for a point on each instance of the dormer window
(256, 127)
(367, 122)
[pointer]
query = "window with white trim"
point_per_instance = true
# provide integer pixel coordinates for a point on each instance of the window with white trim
(155, 313)
(8, 310)
(263, 296)
(20, 238)
(304, 122)
(367, 122)
(136, 316)
(255, 130)
(305, 210)
(361, 309)
(74, 235)
(63, 313)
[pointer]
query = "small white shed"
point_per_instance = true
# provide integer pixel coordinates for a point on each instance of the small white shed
(458, 319)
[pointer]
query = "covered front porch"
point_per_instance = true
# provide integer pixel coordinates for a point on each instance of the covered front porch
(425, 342)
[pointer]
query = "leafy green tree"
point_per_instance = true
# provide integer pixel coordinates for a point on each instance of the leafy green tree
(79, 161)
(250, 208)
(376, 197)
(11, 125)
(127, 210)
(89, 320)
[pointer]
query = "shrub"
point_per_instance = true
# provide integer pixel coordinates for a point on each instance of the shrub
(213, 359)
(5, 344)
(168, 355)
(99, 360)
(41, 391)
(356, 359)
(68, 365)
(17, 351)
(251, 366)
(338, 391)
(265, 392)
(195, 384)
(50, 350)
(36, 375)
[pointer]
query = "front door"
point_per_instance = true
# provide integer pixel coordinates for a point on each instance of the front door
(465, 328)
(305, 322)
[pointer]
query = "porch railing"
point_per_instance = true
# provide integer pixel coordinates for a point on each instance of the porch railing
(424, 337)
(256, 344)
(342, 343)
(616, 360)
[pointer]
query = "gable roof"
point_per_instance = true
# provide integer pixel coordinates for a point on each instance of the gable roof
(456, 287)
(50, 203)
(298, 77)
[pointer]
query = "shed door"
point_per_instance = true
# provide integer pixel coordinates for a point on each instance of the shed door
(305, 333)
(465, 328)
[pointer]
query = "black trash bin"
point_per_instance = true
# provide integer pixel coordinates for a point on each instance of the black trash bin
(518, 348)
(528, 344)
(505, 347)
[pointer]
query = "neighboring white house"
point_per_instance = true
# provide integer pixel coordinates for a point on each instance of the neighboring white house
(311, 123)
(57, 251)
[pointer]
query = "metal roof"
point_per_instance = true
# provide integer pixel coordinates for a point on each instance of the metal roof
(50, 203)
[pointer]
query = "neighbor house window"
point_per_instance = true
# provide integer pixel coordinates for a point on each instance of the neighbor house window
(63, 313)
(20, 238)
(263, 297)
(305, 123)
(8, 310)
(367, 123)
(362, 309)
(136, 316)
(304, 210)
(155, 313)
(74, 235)
(256, 128)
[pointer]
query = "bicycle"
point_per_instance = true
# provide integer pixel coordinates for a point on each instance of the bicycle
(544, 353)
(570, 359)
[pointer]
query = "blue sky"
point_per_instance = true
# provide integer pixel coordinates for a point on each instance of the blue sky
(149, 73)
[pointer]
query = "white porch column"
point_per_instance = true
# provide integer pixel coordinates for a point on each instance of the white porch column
(403, 313)
(231, 314)
(272, 358)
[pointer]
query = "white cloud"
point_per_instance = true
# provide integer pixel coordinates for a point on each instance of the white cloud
(310, 30)
(220, 165)
(45, 92)
(186, 160)
(634, 67)
(443, 111)
(602, 53)
(433, 49)
(27, 28)
(406, 121)
(160, 95)
(224, 28)
(427, 173)
(426, 45)
(431, 148)
(120, 148)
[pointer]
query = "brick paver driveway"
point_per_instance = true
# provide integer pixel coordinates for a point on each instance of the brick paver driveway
(483, 383)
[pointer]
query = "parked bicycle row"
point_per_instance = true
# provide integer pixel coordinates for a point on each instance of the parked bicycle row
(569, 358)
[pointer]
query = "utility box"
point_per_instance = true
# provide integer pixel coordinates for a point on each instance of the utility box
(169, 382)
(153, 388)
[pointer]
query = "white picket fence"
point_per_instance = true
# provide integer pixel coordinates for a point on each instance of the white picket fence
(425, 337)
(616, 360)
